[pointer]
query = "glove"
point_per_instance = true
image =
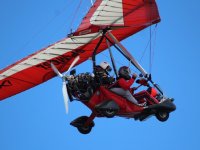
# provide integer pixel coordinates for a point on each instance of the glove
(144, 82)
(134, 76)
(138, 81)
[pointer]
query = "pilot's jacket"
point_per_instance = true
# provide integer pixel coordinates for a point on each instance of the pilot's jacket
(124, 84)
(122, 87)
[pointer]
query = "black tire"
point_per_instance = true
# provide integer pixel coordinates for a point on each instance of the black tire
(84, 130)
(109, 113)
(162, 116)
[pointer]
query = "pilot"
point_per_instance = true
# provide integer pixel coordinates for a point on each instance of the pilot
(123, 84)
(102, 73)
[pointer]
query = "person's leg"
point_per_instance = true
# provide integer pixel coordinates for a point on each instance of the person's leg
(126, 94)
(146, 95)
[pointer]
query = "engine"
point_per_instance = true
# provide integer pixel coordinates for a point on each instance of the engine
(81, 86)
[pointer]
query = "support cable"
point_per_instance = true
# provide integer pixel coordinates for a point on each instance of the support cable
(75, 14)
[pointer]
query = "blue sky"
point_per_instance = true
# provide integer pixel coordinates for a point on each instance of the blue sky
(36, 119)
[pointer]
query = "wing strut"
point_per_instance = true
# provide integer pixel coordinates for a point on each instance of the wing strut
(96, 48)
(125, 51)
(112, 58)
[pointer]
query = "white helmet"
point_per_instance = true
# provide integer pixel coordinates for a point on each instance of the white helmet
(105, 66)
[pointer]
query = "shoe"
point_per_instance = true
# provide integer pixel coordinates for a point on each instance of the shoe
(142, 104)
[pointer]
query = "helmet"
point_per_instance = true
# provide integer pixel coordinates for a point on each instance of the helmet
(105, 66)
(124, 72)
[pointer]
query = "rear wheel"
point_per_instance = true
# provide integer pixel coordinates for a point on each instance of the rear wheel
(84, 130)
(162, 116)
(110, 113)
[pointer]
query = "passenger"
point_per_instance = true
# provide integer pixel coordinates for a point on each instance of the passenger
(123, 84)
(102, 73)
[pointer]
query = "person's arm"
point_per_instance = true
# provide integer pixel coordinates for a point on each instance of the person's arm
(125, 84)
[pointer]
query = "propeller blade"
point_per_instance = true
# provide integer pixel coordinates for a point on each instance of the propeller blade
(73, 63)
(65, 95)
(56, 70)
(64, 87)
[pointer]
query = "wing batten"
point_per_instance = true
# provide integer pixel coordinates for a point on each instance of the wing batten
(40, 58)
(98, 19)
(62, 49)
(52, 54)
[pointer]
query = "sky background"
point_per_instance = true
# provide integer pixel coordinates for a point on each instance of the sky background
(36, 119)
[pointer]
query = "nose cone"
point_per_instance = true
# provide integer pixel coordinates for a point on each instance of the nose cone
(173, 106)
(169, 105)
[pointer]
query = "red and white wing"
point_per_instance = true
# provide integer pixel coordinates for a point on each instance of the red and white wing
(123, 17)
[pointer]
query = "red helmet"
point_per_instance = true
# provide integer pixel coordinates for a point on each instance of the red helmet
(124, 72)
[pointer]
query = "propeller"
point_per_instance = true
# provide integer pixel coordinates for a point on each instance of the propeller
(64, 76)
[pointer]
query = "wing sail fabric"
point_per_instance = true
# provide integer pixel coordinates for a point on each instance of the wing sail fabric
(121, 13)
(123, 17)
(36, 69)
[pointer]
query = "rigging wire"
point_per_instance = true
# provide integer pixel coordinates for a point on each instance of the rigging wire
(148, 44)
(49, 22)
(152, 48)
(150, 51)
(36, 34)
(154, 44)
(74, 16)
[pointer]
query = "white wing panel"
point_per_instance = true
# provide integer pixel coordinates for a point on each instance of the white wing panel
(49, 53)
(104, 15)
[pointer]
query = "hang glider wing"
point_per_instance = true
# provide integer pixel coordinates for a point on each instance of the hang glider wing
(123, 18)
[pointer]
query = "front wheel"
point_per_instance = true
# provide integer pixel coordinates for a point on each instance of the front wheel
(162, 116)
